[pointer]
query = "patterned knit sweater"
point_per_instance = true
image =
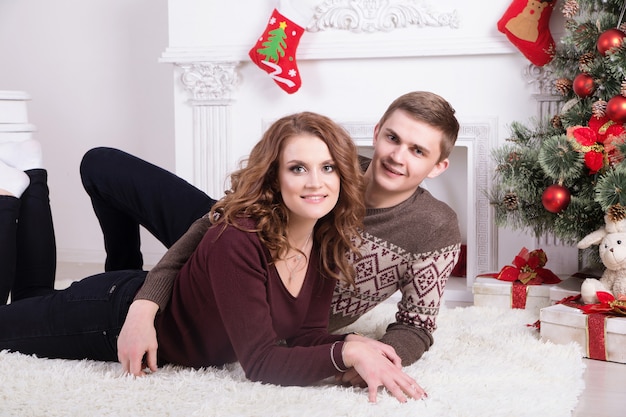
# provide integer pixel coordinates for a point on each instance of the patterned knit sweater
(413, 248)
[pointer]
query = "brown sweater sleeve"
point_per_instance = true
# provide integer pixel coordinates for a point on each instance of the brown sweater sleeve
(159, 281)
(409, 342)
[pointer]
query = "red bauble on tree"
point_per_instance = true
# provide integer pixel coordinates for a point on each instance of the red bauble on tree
(556, 198)
(616, 109)
(612, 38)
(583, 85)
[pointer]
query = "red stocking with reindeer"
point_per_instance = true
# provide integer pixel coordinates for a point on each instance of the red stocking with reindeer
(526, 24)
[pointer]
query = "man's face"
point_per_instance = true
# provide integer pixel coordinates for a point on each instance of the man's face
(406, 151)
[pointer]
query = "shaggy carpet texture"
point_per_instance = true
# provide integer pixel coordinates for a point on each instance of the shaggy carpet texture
(485, 362)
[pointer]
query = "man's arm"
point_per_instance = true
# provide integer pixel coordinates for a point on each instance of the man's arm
(409, 342)
(137, 342)
(160, 280)
(411, 334)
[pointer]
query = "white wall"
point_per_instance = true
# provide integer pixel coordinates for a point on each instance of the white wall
(92, 70)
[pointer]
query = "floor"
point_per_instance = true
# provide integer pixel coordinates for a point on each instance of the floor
(604, 381)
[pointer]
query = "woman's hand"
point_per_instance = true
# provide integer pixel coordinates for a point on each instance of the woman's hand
(352, 377)
(138, 338)
(379, 367)
(386, 350)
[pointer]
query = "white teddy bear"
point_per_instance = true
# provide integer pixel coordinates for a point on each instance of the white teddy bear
(612, 248)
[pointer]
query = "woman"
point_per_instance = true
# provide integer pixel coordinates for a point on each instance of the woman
(257, 289)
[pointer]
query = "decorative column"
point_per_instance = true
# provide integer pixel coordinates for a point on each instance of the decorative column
(549, 102)
(211, 85)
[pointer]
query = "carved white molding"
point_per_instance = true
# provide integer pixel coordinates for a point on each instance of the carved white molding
(211, 82)
(211, 86)
(549, 100)
(378, 16)
(369, 29)
(477, 137)
(542, 79)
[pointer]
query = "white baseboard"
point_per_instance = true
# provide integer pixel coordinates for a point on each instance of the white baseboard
(91, 256)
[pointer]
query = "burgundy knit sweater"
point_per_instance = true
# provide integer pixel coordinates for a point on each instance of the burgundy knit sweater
(229, 304)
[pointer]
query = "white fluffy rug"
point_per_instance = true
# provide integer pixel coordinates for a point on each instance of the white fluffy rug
(485, 362)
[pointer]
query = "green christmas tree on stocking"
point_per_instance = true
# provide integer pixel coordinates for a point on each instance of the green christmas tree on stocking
(275, 52)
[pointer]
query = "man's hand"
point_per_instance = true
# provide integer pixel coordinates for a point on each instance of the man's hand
(138, 338)
(350, 378)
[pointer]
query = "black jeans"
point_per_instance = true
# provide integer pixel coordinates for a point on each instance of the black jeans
(127, 192)
(79, 322)
(27, 241)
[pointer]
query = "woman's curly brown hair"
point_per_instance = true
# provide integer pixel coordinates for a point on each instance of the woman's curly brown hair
(255, 194)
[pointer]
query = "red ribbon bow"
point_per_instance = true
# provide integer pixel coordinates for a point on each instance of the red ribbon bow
(528, 268)
(607, 304)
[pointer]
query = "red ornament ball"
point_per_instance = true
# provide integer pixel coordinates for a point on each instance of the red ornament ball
(612, 38)
(583, 85)
(616, 109)
(556, 198)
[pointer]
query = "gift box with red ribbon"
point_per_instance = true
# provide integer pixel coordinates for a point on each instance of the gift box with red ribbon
(525, 284)
(602, 336)
(504, 294)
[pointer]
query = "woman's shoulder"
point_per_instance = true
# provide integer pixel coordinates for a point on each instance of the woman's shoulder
(243, 229)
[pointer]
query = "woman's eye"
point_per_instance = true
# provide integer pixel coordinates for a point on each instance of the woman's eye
(299, 169)
(329, 168)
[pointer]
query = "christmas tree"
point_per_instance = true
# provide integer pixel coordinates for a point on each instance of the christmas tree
(562, 175)
(274, 47)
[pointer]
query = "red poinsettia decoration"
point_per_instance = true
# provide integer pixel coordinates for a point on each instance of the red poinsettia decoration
(607, 304)
(605, 128)
(597, 141)
(528, 268)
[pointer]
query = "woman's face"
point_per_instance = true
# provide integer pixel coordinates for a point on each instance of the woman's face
(308, 180)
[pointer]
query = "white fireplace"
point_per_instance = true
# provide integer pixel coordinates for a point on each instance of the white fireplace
(354, 59)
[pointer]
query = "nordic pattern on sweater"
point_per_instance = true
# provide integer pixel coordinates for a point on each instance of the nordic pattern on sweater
(411, 247)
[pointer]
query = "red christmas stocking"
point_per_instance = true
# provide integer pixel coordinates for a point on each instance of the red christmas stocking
(275, 52)
(526, 24)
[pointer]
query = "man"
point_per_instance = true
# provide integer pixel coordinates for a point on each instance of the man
(411, 241)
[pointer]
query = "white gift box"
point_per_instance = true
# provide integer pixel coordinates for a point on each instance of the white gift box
(603, 340)
(13, 107)
(569, 287)
(497, 293)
